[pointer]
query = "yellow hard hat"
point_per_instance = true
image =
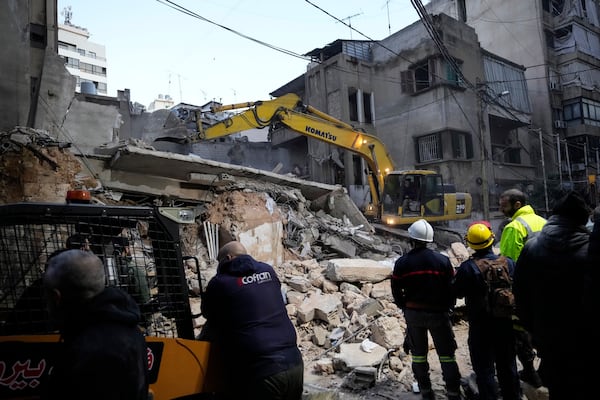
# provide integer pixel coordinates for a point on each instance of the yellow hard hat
(479, 236)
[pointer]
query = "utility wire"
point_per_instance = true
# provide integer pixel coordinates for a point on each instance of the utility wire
(186, 11)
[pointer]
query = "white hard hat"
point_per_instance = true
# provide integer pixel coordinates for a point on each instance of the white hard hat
(421, 230)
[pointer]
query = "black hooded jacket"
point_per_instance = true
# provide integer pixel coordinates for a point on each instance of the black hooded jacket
(549, 286)
(244, 306)
(103, 353)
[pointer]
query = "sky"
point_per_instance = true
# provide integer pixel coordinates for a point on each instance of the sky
(152, 48)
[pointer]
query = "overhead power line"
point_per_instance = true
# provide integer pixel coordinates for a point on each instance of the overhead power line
(186, 11)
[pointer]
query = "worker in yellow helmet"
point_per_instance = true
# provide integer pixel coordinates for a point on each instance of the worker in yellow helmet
(491, 339)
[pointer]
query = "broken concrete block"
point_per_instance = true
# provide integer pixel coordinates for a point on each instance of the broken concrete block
(329, 287)
(352, 356)
(370, 307)
(299, 283)
(322, 307)
(342, 246)
(356, 270)
(324, 366)
(367, 288)
(352, 300)
(387, 332)
(316, 278)
(381, 289)
(319, 336)
(345, 286)
(295, 298)
(361, 378)
(291, 309)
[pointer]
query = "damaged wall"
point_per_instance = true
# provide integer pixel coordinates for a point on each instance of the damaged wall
(34, 167)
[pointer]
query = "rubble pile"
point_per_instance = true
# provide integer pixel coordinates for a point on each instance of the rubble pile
(335, 280)
(334, 272)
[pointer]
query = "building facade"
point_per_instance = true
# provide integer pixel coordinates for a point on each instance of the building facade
(558, 41)
(84, 59)
(446, 105)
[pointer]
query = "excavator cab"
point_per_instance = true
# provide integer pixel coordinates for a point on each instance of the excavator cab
(414, 194)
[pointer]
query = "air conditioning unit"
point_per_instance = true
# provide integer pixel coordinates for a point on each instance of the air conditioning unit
(558, 124)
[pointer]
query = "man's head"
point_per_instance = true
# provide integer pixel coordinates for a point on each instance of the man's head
(479, 236)
(421, 232)
(573, 206)
(78, 241)
(231, 250)
(511, 200)
(73, 276)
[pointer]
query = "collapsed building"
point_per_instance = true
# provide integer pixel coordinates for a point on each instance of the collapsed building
(334, 267)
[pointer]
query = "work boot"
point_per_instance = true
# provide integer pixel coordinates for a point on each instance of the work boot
(531, 377)
(427, 395)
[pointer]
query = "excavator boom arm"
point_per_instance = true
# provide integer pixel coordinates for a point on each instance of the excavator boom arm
(308, 121)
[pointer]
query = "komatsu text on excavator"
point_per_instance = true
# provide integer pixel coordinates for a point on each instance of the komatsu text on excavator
(397, 197)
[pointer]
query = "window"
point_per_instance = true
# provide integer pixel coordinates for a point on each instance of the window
(91, 54)
(102, 87)
(462, 146)
(367, 107)
(66, 46)
(425, 74)
(81, 52)
(429, 148)
(591, 112)
(357, 170)
(584, 111)
(353, 104)
(452, 77)
(421, 73)
(72, 62)
(37, 36)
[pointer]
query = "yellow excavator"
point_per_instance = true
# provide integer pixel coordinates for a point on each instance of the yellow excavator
(397, 197)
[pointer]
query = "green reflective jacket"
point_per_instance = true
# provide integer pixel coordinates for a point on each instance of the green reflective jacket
(514, 233)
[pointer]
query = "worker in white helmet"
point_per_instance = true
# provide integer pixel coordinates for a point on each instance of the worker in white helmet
(422, 288)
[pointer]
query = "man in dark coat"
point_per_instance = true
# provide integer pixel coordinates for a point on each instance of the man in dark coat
(549, 287)
(103, 352)
(244, 308)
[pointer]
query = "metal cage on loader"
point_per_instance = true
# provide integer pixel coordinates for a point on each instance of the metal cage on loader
(140, 249)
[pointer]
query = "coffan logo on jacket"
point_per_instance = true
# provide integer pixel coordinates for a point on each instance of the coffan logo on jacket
(258, 278)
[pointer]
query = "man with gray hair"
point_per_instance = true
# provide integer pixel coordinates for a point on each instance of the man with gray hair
(103, 351)
(244, 306)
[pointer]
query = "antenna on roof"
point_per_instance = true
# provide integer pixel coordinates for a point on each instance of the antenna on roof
(349, 18)
(68, 14)
(387, 5)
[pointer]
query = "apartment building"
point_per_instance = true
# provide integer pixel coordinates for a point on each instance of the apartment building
(558, 41)
(84, 59)
(447, 105)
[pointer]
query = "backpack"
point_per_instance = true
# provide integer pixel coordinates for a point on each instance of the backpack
(500, 300)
